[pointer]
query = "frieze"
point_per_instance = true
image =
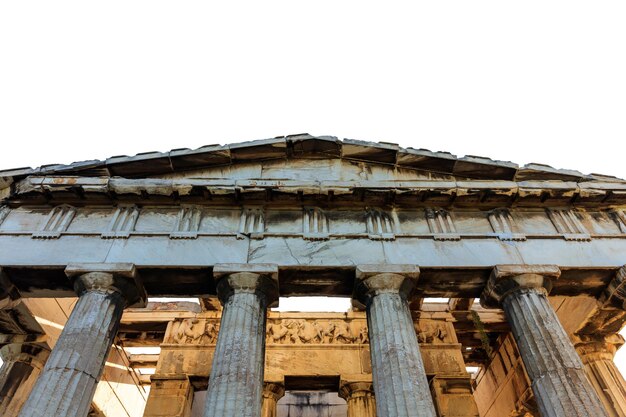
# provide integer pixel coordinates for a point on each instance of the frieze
(567, 223)
(301, 331)
(312, 223)
(57, 222)
(504, 226)
(122, 223)
(441, 224)
(381, 224)
(193, 331)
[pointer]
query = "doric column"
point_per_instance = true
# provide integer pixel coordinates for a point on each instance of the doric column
(597, 355)
(556, 372)
(68, 381)
(359, 396)
(272, 392)
(170, 396)
(236, 381)
(398, 372)
(22, 363)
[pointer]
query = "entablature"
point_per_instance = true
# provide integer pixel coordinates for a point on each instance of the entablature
(402, 192)
(190, 221)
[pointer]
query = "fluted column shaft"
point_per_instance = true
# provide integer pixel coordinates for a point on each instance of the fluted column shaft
(68, 381)
(399, 377)
(607, 380)
(555, 370)
(272, 392)
(22, 364)
(236, 380)
(359, 397)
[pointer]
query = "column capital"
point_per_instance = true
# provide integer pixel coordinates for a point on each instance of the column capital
(261, 279)
(615, 293)
(594, 347)
(32, 354)
(108, 277)
(374, 279)
(360, 387)
(506, 279)
(274, 390)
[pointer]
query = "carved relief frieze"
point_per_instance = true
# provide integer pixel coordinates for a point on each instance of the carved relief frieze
(251, 223)
(314, 224)
(441, 225)
(122, 223)
(381, 225)
(433, 332)
(504, 225)
(193, 331)
(567, 224)
(187, 223)
(305, 331)
(57, 222)
(296, 331)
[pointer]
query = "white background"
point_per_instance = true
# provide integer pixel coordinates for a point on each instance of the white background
(539, 81)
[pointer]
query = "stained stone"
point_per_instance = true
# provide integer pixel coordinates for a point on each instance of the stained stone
(597, 354)
(236, 380)
(22, 364)
(556, 372)
(398, 372)
(68, 381)
(359, 396)
(272, 392)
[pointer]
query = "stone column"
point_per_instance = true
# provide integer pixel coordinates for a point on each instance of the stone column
(170, 396)
(22, 363)
(399, 378)
(236, 381)
(360, 398)
(597, 355)
(68, 381)
(272, 392)
(556, 372)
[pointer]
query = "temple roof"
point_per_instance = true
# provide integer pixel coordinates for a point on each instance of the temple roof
(306, 146)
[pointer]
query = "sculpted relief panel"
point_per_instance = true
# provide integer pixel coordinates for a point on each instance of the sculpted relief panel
(302, 331)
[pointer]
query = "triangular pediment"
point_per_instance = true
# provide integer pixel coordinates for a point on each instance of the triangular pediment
(305, 152)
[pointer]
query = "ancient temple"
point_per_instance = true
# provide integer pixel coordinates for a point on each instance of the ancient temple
(450, 263)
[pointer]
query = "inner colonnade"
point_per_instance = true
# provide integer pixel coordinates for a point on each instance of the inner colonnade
(239, 226)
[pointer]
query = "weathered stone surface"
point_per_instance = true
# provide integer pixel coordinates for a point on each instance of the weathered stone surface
(170, 396)
(398, 370)
(311, 403)
(597, 356)
(556, 372)
(453, 396)
(359, 396)
(236, 380)
(68, 381)
(22, 364)
(272, 392)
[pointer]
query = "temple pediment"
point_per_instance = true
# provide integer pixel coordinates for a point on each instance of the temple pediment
(314, 168)
(306, 148)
